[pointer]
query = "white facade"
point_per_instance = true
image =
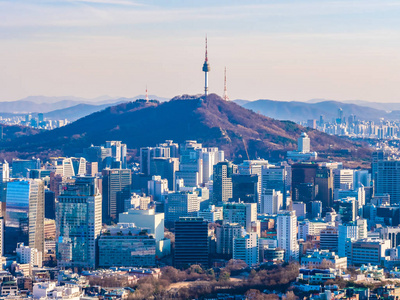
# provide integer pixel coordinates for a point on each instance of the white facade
(271, 202)
(145, 219)
(49, 290)
(343, 179)
(303, 143)
(211, 214)
(246, 249)
(287, 234)
(157, 187)
(311, 228)
(27, 255)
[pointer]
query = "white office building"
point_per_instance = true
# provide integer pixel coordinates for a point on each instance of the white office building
(287, 234)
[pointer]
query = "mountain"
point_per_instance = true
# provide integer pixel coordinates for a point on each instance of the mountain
(75, 112)
(241, 102)
(302, 111)
(213, 122)
(44, 104)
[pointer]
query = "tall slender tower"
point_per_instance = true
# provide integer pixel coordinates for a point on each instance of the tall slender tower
(226, 98)
(147, 95)
(206, 69)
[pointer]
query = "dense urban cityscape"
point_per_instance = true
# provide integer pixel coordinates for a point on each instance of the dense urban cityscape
(198, 196)
(97, 226)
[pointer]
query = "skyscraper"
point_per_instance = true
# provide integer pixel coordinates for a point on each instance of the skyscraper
(191, 242)
(25, 213)
(246, 248)
(303, 143)
(191, 164)
(181, 204)
(388, 179)
(116, 188)
(241, 213)
(287, 234)
(222, 183)
(78, 221)
(271, 202)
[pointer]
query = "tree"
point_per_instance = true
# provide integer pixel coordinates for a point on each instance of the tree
(224, 276)
(235, 264)
(326, 264)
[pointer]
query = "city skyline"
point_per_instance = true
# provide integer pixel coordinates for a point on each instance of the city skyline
(342, 50)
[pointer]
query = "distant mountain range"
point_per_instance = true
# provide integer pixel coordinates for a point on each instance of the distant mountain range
(213, 122)
(68, 107)
(74, 108)
(302, 111)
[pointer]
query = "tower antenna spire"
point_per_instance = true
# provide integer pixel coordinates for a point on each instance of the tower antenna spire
(206, 69)
(226, 98)
(147, 95)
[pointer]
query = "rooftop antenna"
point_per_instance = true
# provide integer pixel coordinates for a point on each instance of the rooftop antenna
(226, 98)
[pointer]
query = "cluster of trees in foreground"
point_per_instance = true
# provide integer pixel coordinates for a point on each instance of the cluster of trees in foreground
(196, 282)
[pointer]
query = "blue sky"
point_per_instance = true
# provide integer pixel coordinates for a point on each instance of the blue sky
(284, 50)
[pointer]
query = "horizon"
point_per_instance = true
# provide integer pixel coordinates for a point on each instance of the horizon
(283, 50)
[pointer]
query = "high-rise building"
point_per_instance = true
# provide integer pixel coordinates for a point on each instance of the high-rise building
(271, 202)
(149, 219)
(347, 209)
(316, 209)
(173, 148)
(222, 181)
(245, 188)
(79, 165)
(191, 242)
(303, 145)
(49, 205)
(246, 248)
(211, 214)
(191, 164)
(29, 255)
(78, 221)
(303, 182)
(4, 177)
(376, 157)
(275, 177)
(181, 204)
(241, 213)
(116, 189)
(343, 179)
(157, 188)
(388, 179)
(210, 156)
(254, 168)
(329, 239)
(25, 213)
(287, 234)
(98, 154)
(118, 154)
(126, 246)
(166, 168)
(324, 182)
(348, 232)
(20, 167)
(225, 236)
(64, 167)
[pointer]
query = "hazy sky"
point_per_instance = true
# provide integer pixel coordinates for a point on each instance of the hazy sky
(282, 49)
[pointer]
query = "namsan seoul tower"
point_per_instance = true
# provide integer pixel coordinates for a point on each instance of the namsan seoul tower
(206, 69)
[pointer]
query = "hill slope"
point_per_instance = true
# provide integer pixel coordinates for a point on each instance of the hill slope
(214, 122)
